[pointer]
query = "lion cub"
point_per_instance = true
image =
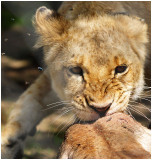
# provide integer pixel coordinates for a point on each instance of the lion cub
(95, 63)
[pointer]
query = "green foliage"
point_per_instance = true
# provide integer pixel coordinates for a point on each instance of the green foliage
(9, 19)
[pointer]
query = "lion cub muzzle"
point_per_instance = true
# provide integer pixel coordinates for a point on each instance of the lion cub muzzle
(101, 109)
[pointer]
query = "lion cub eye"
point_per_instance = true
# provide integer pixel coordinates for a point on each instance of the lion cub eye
(76, 70)
(120, 69)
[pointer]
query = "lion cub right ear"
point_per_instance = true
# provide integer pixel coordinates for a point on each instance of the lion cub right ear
(50, 26)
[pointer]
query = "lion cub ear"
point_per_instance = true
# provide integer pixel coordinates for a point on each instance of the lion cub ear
(50, 26)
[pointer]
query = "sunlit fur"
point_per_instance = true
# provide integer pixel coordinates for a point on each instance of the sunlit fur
(97, 44)
(97, 37)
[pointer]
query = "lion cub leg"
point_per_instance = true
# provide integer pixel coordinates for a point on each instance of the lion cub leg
(26, 114)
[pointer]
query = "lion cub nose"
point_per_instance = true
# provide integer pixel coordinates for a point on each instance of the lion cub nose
(100, 108)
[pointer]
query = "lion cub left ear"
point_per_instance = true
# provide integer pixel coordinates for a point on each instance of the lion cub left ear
(50, 26)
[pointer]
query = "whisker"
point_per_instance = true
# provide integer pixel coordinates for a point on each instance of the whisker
(146, 99)
(61, 115)
(144, 96)
(58, 117)
(136, 102)
(55, 106)
(145, 92)
(70, 120)
(63, 108)
(142, 106)
(135, 106)
(57, 103)
(148, 79)
(147, 87)
(130, 114)
(140, 113)
(59, 125)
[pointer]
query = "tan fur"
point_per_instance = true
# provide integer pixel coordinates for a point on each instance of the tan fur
(111, 137)
(92, 43)
(96, 40)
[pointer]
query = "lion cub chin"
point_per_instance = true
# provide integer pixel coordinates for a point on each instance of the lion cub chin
(116, 136)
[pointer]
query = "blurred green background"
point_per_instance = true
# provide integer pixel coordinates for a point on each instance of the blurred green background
(17, 29)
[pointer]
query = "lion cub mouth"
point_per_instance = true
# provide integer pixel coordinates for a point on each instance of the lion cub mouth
(101, 111)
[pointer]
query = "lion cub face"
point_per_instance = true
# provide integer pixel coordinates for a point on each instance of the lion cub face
(96, 63)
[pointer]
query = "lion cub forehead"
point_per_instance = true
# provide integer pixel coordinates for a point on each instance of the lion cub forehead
(96, 51)
(96, 35)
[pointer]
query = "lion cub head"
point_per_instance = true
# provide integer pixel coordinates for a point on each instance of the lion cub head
(95, 62)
